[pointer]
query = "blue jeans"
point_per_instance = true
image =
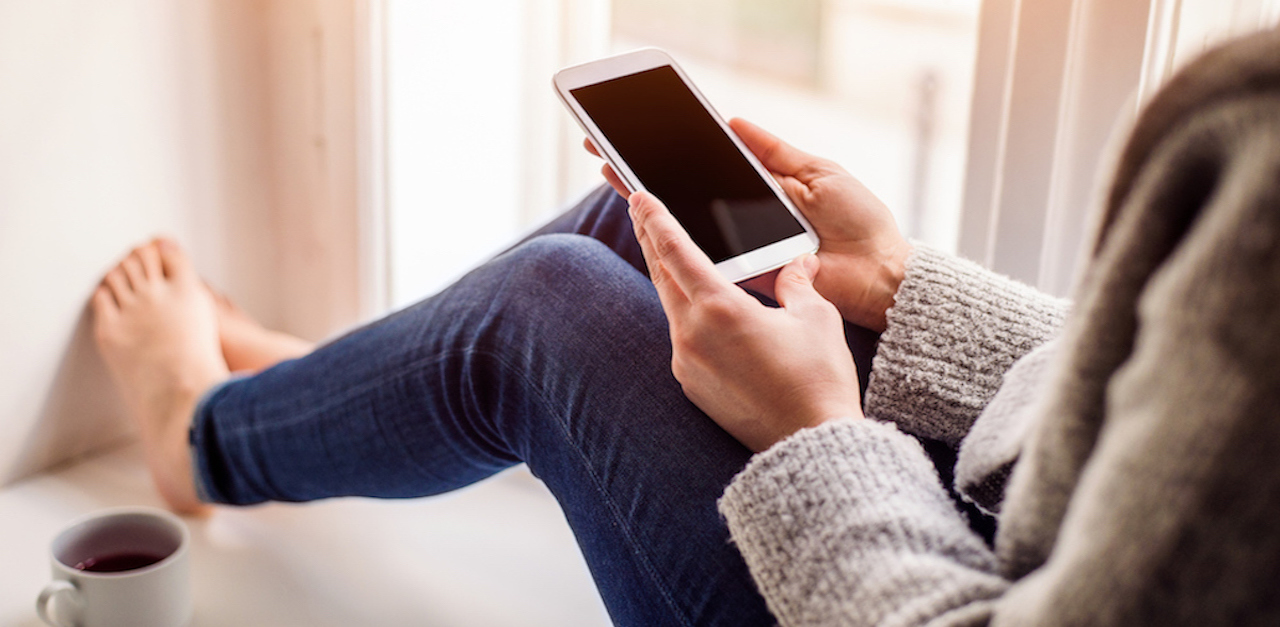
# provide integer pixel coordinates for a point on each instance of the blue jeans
(554, 354)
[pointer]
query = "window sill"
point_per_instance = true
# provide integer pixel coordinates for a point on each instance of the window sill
(496, 554)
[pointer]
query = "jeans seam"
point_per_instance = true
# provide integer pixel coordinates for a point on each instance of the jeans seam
(635, 546)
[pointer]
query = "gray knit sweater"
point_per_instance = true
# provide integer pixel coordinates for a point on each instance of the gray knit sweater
(1133, 462)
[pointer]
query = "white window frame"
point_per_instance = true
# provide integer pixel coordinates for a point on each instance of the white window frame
(1044, 108)
(314, 140)
(1055, 80)
(371, 157)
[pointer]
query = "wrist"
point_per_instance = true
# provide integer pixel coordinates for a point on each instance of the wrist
(813, 424)
(836, 410)
(892, 271)
(867, 307)
(842, 417)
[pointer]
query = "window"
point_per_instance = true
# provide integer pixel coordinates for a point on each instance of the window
(880, 86)
(453, 120)
(981, 123)
(478, 149)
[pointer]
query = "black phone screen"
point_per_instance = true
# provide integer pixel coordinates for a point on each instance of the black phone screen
(682, 156)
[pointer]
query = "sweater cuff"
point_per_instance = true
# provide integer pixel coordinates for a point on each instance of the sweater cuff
(955, 328)
(824, 518)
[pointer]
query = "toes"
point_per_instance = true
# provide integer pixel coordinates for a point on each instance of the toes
(105, 313)
(173, 260)
(132, 266)
(104, 303)
(119, 286)
(149, 255)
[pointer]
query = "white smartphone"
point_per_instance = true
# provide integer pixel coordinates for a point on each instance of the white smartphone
(662, 136)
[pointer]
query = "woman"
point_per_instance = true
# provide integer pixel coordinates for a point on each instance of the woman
(1129, 461)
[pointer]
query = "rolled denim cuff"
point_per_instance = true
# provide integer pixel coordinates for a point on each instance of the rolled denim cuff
(200, 442)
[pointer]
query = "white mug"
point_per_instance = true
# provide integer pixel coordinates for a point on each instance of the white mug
(123, 567)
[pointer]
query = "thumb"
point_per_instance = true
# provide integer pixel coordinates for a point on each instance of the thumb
(775, 154)
(794, 287)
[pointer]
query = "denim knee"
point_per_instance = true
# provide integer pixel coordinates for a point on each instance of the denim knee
(562, 278)
(561, 258)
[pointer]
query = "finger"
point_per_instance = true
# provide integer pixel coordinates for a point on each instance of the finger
(612, 177)
(776, 155)
(674, 301)
(119, 286)
(150, 256)
(670, 246)
(795, 289)
(615, 181)
(794, 189)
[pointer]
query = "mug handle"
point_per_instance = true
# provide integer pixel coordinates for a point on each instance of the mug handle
(47, 595)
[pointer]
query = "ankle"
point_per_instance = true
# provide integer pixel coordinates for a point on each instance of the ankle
(168, 452)
(261, 349)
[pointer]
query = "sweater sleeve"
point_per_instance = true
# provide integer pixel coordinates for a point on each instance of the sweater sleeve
(954, 330)
(848, 524)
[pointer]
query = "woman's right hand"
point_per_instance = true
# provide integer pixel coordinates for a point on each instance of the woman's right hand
(862, 253)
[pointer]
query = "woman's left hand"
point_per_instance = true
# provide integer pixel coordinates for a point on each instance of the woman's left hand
(761, 373)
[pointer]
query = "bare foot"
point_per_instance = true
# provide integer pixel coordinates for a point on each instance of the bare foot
(157, 330)
(249, 346)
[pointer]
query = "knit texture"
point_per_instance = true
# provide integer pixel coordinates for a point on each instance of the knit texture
(884, 478)
(994, 444)
(1144, 488)
(954, 329)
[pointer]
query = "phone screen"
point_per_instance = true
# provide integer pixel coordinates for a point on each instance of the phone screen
(682, 156)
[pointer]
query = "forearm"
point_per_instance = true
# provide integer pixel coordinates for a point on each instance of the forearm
(847, 524)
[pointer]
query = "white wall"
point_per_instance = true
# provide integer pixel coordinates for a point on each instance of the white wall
(121, 119)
